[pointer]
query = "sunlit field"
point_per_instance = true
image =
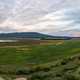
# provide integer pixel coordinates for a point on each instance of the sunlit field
(40, 60)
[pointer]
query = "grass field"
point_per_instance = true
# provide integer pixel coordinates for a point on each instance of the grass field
(42, 52)
(40, 60)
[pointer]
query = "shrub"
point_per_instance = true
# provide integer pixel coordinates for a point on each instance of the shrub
(24, 71)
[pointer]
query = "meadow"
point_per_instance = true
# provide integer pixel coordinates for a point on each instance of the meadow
(41, 59)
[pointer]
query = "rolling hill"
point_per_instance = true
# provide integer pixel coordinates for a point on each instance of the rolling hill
(30, 35)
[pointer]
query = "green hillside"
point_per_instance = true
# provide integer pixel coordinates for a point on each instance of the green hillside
(46, 60)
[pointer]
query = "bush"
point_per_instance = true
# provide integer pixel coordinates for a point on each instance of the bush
(64, 61)
(71, 77)
(45, 69)
(24, 72)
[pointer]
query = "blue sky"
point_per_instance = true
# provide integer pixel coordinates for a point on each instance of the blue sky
(57, 17)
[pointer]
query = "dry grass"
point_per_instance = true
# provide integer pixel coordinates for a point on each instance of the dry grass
(52, 42)
(23, 49)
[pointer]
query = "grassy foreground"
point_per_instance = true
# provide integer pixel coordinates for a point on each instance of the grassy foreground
(41, 60)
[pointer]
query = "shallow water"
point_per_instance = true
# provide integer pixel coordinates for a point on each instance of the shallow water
(8, 40)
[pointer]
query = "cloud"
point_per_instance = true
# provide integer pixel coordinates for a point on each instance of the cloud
(29, 12)
(47, 16)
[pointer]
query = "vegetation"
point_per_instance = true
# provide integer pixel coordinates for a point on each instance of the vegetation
(41, 60)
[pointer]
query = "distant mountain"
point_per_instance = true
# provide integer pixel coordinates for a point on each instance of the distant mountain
(30, 35)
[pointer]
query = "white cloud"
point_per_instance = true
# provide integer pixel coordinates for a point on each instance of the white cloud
(50, 16)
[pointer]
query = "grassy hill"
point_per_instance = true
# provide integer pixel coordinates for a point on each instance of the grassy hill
(41, 60)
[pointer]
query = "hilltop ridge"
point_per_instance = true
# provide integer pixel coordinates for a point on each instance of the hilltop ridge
(30, 35)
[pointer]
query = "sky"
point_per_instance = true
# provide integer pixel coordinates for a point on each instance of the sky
(56, 17)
